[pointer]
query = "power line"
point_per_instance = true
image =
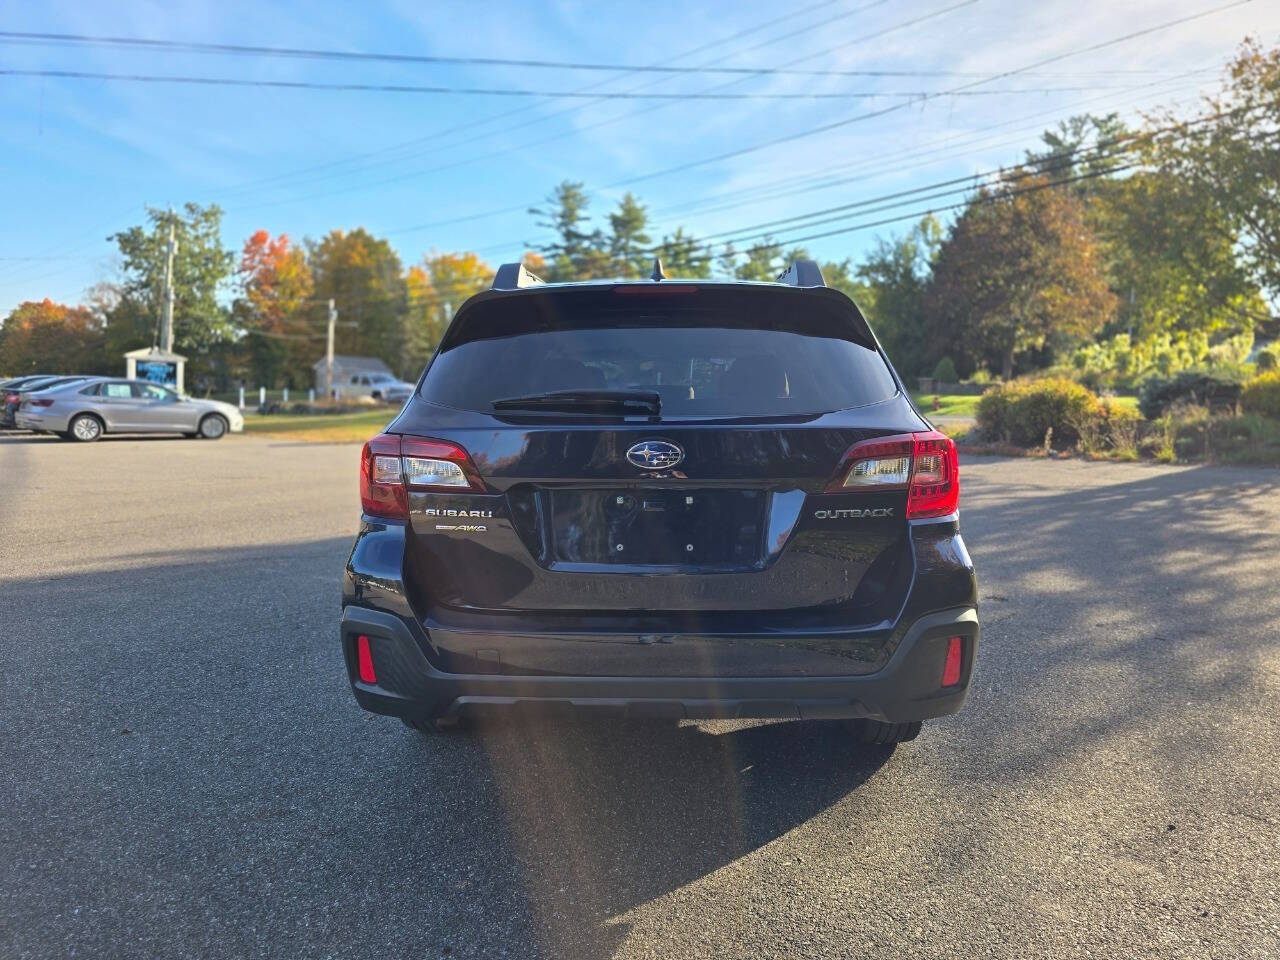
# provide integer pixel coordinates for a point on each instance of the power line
(901, 25)
(188, 46)
(841, 123)
(1101, 151)
(434, 138)
(837, 124)
(657, 106)
(514, 92)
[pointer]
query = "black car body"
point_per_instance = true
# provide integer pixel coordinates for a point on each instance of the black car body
(661, 498)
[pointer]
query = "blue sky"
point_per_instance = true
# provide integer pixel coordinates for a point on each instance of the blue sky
(81, 158)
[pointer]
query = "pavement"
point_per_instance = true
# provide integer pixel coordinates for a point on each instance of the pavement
(185, 773)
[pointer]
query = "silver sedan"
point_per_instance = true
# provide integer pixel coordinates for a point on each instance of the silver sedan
(80, 411)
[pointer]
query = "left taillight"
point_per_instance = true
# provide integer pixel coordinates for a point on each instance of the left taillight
(925, 464)
(41, 402)
(391, 465)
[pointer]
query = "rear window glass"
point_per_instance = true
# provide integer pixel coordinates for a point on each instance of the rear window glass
(701, 363)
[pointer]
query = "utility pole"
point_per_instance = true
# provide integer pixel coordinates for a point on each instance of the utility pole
(166, 330)
(328, 351)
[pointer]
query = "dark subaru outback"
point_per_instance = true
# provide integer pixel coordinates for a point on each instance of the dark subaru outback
(661, 499)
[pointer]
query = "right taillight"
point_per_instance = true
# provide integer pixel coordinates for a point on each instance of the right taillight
(392, 465)
(925, 464)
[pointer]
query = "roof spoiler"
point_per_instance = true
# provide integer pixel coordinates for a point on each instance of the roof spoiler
(513, 276)
(802, 273)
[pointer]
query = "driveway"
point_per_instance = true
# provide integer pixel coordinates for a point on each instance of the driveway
(186, 773)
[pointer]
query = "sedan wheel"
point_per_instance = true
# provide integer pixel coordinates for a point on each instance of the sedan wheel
(86, 428)
(212, 427)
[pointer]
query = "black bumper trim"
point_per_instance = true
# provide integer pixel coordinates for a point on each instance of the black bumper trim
(905, 689)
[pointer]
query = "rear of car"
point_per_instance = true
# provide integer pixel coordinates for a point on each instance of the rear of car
(671, 499)
(11, 396)
(32, 396)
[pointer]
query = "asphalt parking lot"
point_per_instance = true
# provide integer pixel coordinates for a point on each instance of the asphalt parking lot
(186, 774)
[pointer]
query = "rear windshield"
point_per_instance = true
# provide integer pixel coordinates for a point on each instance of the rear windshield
(701, 363)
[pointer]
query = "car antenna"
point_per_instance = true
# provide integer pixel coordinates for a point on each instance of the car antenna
(658, 272)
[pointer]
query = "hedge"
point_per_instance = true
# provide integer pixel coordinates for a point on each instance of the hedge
(1216, 391)
(1022, 412)
(1262, 395)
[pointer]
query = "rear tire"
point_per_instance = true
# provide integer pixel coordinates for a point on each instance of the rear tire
(876, 732)
(213, 427)
(86, 428)
(435, 725)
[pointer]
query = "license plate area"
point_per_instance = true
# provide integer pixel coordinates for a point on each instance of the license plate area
(720, 528)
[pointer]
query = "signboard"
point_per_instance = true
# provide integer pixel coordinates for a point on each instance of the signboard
(157, 371)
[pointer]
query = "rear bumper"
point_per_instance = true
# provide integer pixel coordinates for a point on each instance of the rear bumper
(30, 420)
(907, 687)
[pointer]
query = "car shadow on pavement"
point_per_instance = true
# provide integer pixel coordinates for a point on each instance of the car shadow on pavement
(608, 816)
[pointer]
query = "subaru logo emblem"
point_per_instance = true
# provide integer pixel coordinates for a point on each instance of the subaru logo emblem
(655, 455)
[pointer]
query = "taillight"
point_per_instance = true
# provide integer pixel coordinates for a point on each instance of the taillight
(41, 402)
(925, 464)
(391, 466)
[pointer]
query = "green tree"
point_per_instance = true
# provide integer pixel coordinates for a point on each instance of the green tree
(628, 242)
(1020, 271)
(576, 253)
(1171, 254)
(48, 337)
(765, 260)
(362, 274)
(896, 276)
(683, 256)
(1069, 149)
(1232, 154)
(200, 270)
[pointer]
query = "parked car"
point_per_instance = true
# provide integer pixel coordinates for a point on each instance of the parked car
(14, 390)
(692, 499)
(84, 412)
(380, 386)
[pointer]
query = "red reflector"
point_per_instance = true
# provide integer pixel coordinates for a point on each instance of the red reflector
(955, 657)
(364, 659)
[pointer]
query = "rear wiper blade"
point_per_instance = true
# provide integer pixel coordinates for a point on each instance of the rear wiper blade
(587, 401)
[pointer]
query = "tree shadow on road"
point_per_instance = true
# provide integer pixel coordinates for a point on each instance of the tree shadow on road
(1129, 598)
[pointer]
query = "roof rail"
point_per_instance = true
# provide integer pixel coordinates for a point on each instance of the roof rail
(802, 273)
(513, 276)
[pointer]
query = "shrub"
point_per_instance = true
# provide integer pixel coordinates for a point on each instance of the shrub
(1262, 395)
(1216, 391)
(945, 371)
(1267, 359)
(1022, 412)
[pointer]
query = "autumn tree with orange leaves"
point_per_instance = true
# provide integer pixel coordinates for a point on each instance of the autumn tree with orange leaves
(276, 311)
(47, 337)
(1020, 271)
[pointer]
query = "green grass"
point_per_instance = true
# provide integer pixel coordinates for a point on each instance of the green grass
(949, 404)
(320, 428)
